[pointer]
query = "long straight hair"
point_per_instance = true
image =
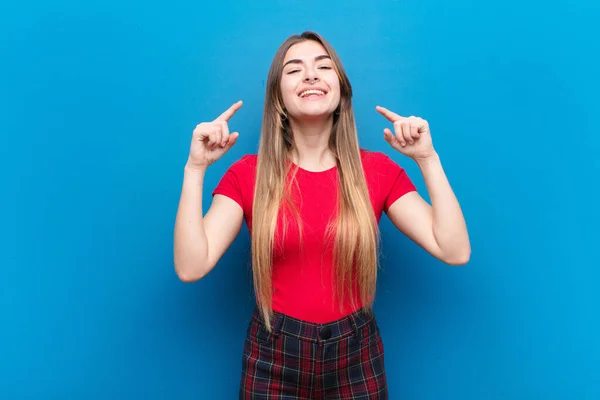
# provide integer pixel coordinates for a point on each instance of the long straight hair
(353, 229)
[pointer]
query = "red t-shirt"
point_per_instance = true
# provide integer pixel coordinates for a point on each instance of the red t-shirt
(302, 276)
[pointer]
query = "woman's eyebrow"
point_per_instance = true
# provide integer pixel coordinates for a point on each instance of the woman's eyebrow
(298, 61)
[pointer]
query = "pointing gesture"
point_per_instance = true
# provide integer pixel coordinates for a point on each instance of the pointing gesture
(210, 140)
(226, 116)
(411, 135)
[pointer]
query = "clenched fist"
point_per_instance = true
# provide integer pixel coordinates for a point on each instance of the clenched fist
(210, 140)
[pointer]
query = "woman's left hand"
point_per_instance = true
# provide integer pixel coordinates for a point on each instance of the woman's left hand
(412, 137)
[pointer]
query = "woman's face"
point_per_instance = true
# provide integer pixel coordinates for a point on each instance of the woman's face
(309, 84)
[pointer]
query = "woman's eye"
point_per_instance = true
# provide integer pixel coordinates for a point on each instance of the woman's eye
(325, 67)
(292, 71)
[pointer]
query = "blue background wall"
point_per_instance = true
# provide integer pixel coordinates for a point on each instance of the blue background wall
(97, 104)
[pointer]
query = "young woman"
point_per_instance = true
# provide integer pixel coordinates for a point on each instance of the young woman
(312, 200)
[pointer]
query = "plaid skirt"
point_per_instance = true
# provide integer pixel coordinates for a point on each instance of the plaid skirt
(302, 360)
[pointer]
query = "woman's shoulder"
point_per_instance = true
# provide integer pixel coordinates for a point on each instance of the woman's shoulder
(247, 162)
(372, 158)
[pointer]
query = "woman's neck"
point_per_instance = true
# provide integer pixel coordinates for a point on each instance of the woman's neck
(312, 143)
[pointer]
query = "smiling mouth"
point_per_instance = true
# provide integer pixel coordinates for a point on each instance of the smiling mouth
(312, 93)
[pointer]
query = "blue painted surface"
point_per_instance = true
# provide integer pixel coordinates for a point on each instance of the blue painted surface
(97, 104)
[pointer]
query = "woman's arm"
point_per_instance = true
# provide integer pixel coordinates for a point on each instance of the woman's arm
(439, 228)
(199, 242)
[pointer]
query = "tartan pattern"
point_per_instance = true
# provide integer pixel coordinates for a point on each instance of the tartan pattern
(302, 360)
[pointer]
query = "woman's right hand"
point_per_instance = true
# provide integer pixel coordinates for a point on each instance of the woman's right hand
(210, 140)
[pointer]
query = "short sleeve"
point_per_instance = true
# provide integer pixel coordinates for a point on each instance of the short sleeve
(230, 186)
(398, 183)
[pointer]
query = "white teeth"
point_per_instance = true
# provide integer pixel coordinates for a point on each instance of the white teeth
(312, 91)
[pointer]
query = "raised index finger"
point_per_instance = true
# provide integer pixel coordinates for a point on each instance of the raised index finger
(391, 116)
(229, 113)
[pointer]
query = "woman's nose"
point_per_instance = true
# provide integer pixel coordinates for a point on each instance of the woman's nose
(310, 75)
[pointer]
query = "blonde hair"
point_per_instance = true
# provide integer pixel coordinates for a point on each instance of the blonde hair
(353, 229)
